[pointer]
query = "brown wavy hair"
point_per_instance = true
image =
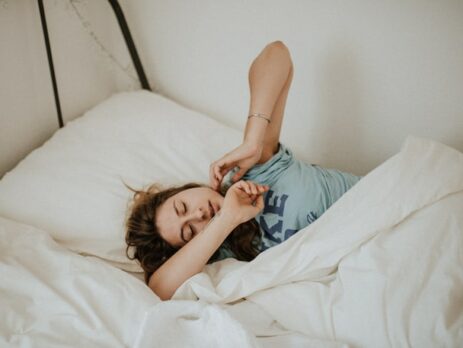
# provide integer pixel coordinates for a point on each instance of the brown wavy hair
(151, 250)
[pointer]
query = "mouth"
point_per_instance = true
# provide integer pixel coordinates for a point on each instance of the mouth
(211, 210)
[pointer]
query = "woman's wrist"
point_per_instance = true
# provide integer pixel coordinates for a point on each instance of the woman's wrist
(226, 221)
(254, 133)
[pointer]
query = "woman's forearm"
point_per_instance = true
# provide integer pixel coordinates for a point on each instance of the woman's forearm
(191, 258)
(267, 76)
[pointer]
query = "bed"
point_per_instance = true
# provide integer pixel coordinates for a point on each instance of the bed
(381, 268)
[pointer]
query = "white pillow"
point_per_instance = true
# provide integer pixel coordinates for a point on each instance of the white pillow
(72, 185)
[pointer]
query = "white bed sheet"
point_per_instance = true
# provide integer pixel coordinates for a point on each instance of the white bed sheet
(382, 267)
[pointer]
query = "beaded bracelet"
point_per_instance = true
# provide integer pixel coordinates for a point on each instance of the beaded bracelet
(265, 117)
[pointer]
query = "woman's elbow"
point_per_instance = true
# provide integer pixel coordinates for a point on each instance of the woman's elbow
(277, 45)
(277, 50)
(162, 292)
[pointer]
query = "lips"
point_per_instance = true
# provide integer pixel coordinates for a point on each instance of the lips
(211, 210)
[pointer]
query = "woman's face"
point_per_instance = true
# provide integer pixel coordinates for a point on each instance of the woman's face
(186, 213)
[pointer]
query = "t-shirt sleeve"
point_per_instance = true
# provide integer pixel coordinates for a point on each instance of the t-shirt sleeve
(268, 173)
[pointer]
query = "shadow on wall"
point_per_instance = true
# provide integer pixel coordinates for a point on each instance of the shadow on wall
(340, 118)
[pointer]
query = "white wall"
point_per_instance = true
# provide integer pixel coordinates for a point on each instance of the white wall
(25, 88)
(367, 73)
(84, 73)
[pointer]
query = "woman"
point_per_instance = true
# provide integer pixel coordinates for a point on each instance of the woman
(271, 195)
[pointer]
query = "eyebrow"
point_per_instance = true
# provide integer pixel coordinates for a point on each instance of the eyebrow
(181, 229)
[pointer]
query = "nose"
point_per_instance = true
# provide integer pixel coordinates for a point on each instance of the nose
(198, 214)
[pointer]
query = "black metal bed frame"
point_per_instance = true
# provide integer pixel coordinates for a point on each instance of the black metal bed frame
(128, 40)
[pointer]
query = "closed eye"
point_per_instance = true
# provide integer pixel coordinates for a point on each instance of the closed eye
(184, 208)
(182, 237)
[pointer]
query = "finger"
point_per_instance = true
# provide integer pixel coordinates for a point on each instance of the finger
(217, 170)
(218, 181)
(212, 173)
(259, 202)
(246, 187)
(212, 177)
(260, 188)
(253, 187)
(263, 188)
(216, 173)
(212, 182)
(215, 183)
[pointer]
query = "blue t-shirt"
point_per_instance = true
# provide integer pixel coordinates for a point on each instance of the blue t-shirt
(299, 194)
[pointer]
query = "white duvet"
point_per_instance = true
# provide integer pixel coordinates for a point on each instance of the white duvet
(383, 267)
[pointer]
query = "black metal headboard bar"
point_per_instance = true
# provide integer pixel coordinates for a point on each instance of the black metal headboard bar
(128, 40)
(50, 63)
(130, 44)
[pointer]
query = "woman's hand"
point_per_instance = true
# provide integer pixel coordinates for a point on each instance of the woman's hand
(243, 201)
(243, 156)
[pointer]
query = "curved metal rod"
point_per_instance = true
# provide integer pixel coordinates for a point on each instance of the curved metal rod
(50, 63)
(130, 44)
(128, 41)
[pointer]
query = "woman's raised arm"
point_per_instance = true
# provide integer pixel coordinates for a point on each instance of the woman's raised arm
(270, 77)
